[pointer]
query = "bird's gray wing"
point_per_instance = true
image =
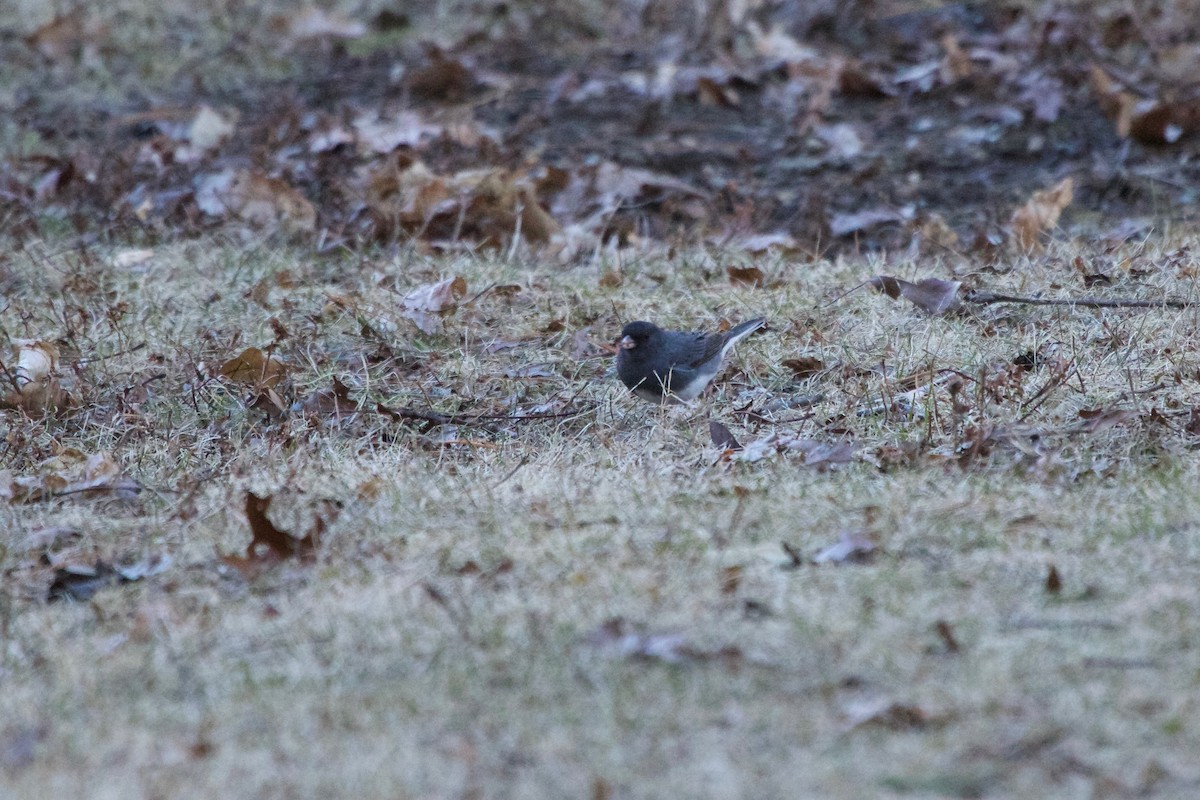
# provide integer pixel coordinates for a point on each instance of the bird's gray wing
(704, 348)
(684, 350)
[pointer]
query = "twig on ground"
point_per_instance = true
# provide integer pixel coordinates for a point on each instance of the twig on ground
(984, 298)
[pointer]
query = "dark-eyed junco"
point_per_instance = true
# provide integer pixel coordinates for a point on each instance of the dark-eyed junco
(663, 366)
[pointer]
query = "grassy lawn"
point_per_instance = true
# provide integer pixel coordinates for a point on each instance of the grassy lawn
(597, 603)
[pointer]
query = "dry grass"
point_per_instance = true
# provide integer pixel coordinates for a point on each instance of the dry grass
(392, 667)
(449, 640)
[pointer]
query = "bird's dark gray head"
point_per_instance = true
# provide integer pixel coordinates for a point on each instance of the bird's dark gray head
(635, 334)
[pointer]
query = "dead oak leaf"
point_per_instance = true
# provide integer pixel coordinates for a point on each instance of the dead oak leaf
(1040, 214)
(333, 404)
(259, 371)
(427, 305)
(254, 367)
(722, 437)
(269, 545)
(931, 295)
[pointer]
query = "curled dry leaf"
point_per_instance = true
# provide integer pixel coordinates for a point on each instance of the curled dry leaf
(722, 437)
(31, 378)
(426, 305)
(1040, 214)
(931, 295)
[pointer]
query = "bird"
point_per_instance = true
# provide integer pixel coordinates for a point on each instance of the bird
(665, 366)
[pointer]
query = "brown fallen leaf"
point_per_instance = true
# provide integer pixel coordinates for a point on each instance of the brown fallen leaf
(712, 93)
(804, 366)
(731, 579)
(255, 368)
(746, 276)
(427, 305)
(956, 65)
(1040, 214)
(263, 375)
(30, 378)
(1053, 580)
(946, 633)
(1096, 420)
(722, 437)
(884, 713)
(442, 78)
(931, 295)
(270, 545)
(333, 403)
(70, 473)
(1149, 120)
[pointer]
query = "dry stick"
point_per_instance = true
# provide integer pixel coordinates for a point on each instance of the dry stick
(987, 298)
